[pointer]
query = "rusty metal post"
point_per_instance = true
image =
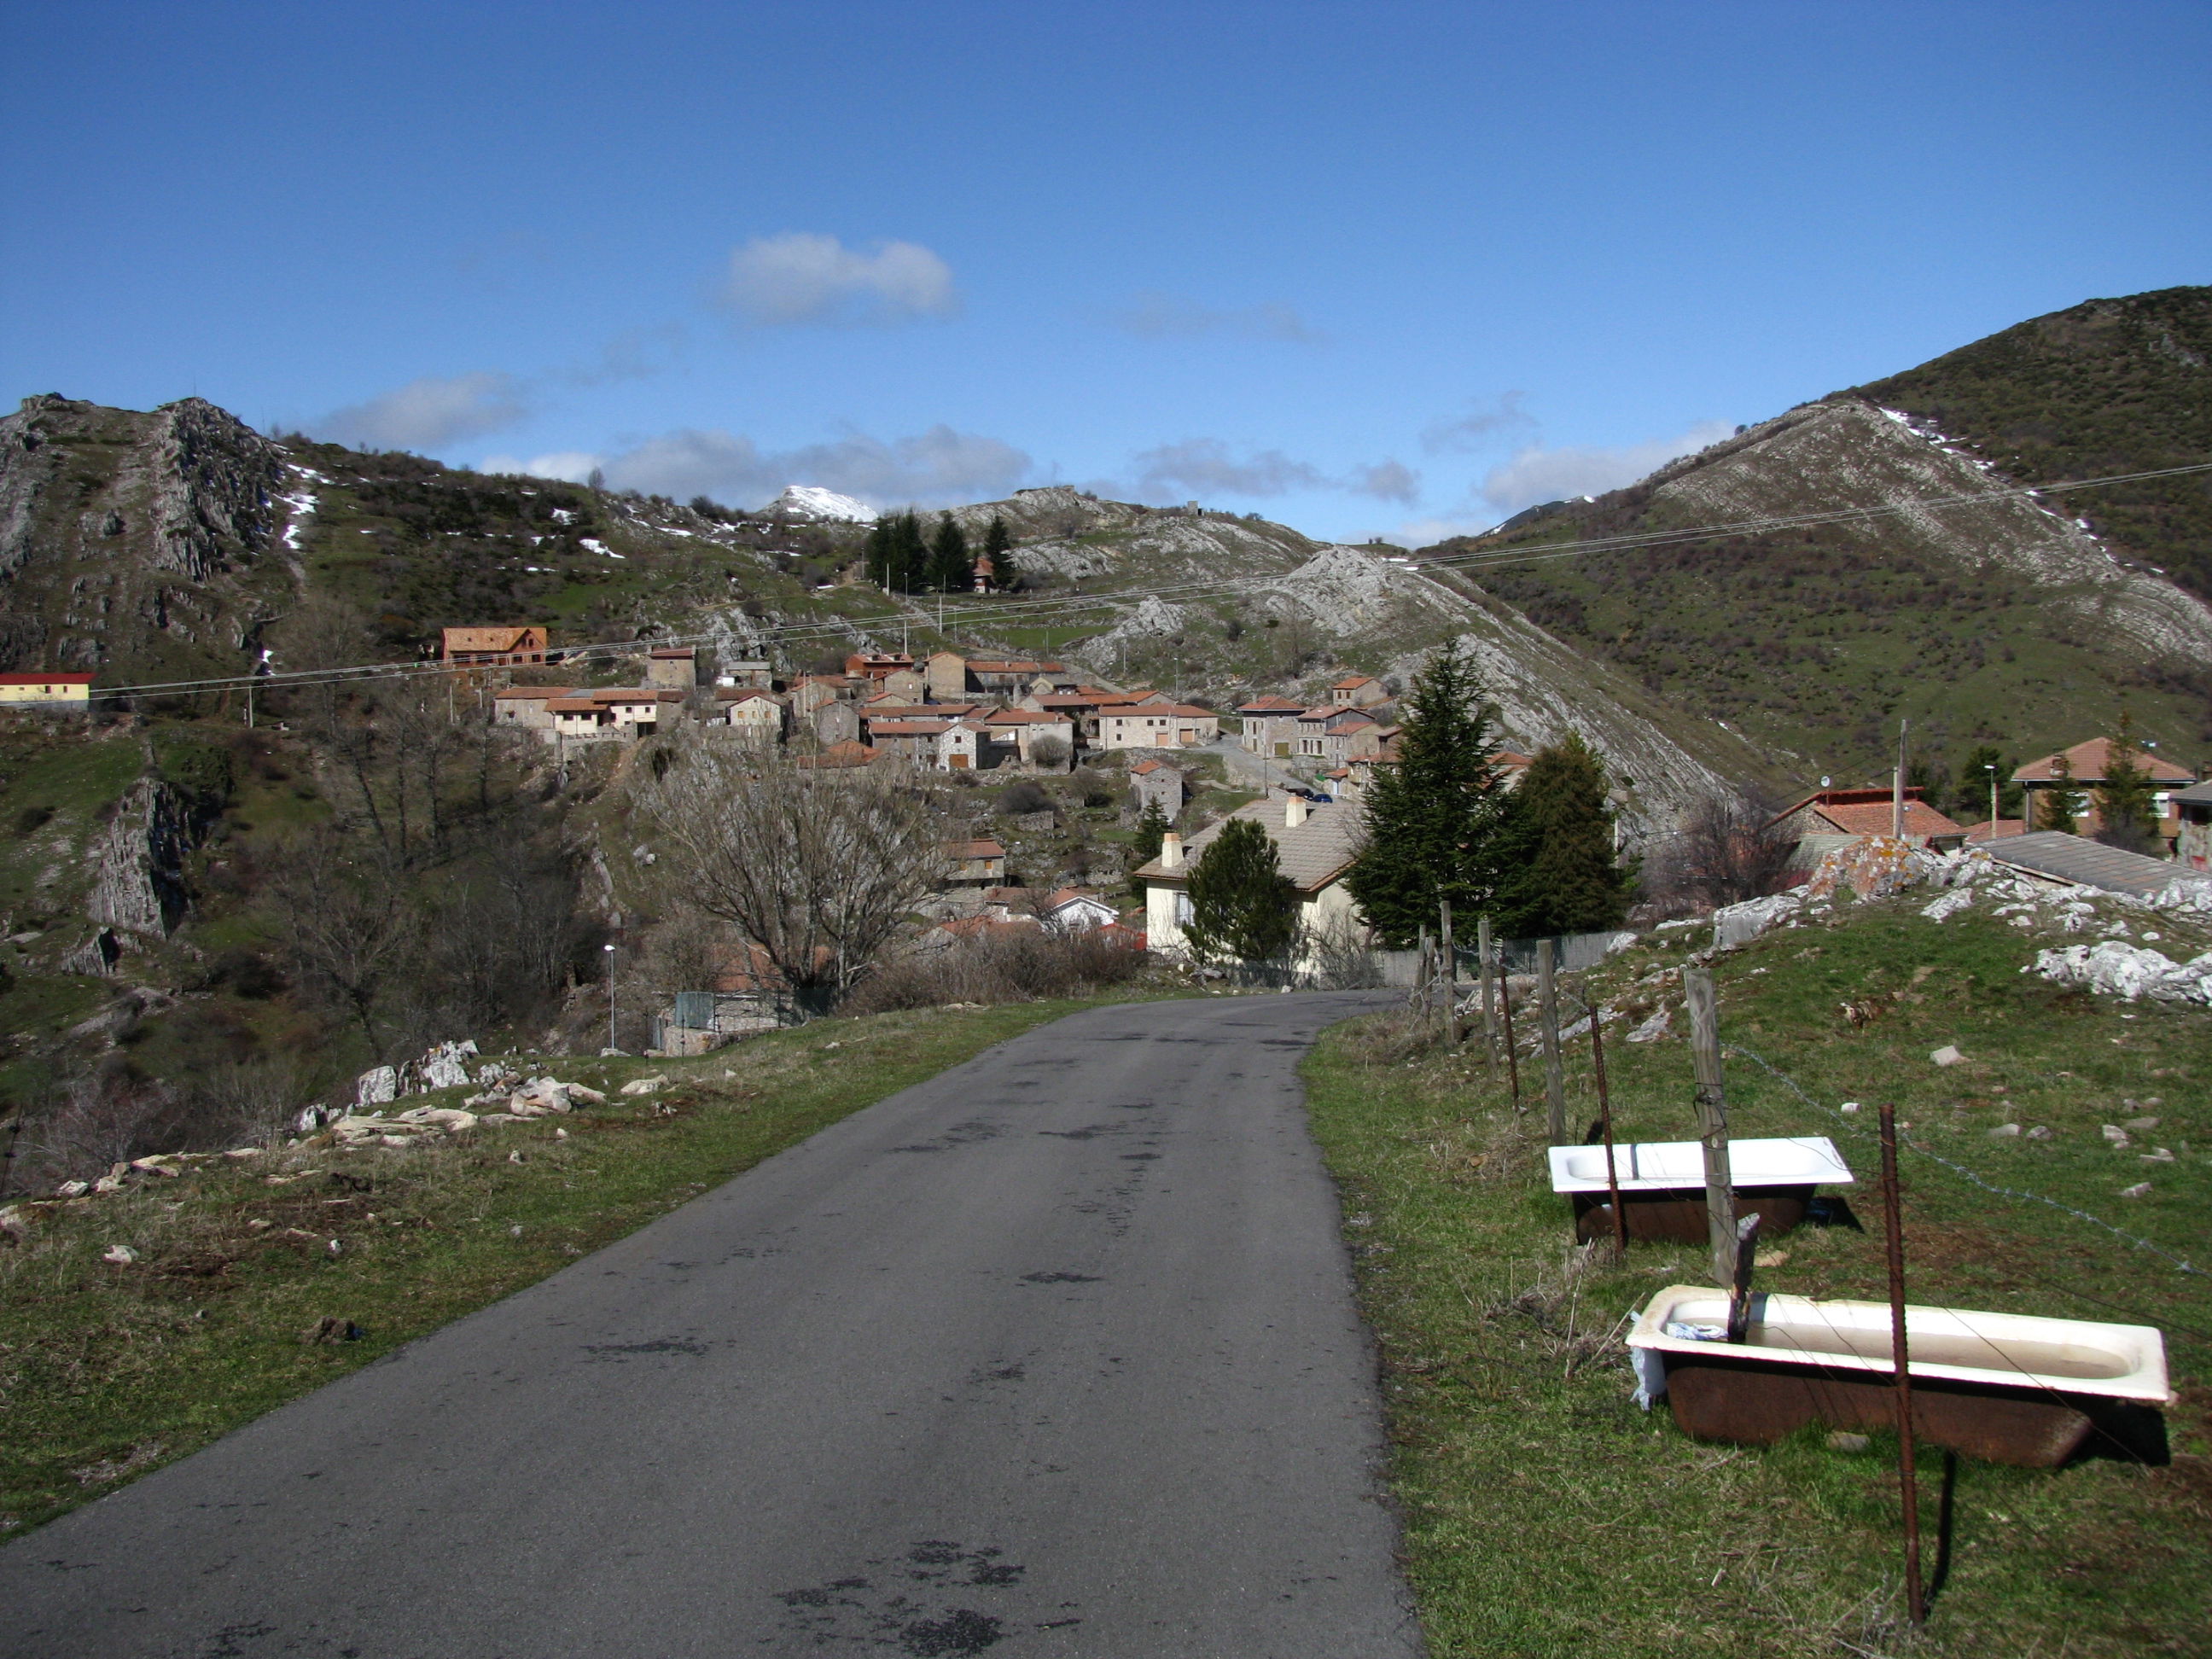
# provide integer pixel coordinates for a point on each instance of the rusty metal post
(1605, 1122)
(1908, 1471)
(1712, 1121)
(1547, 1014)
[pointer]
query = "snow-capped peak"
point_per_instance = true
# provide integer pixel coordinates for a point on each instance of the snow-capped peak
(812, 502)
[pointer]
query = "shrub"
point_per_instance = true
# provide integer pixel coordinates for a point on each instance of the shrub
(1012, 965)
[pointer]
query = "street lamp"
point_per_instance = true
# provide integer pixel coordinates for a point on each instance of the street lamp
(609, 949)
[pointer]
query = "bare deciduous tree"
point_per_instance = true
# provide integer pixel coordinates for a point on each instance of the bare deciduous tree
(817, 867)
(1727, 850)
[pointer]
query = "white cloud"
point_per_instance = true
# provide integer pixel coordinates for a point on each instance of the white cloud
(428, 413)
(1156, 316)
(1386, 481)
(803, 278)
(574, 465)
(938, 467)
(1200, 466)
(1479, 428)
(1537, 474)
(1426, 532)
(1206, 466)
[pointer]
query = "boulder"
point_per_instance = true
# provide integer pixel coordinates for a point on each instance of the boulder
(644, 1085)
(377, 1087)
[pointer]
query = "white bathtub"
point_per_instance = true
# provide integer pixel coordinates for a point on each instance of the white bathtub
(1673, 1165)
(2011, 1388)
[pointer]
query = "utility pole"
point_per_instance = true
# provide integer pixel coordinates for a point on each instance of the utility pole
(1991, 769)
(1897, 786)
(610, 950)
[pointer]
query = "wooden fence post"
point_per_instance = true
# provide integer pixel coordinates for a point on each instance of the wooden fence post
(1489, 1011)
(1605, 1125)
(1547, 1005)
(1425, 966)
(1908, 1471)
(1712, 1121)
(1505, 1014)
(1454, 1028)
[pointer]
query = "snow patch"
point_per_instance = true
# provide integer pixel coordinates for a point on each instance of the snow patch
(817, 505)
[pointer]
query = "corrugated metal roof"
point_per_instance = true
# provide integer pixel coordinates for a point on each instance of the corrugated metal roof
(2090, 863)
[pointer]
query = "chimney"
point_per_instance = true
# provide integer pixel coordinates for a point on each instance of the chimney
(1170, 851)
(1294, 811)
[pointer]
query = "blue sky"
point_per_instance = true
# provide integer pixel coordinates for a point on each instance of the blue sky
(1366, 269)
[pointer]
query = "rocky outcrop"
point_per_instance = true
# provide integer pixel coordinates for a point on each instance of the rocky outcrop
(125, 535)
(140, 859)
(216, 482)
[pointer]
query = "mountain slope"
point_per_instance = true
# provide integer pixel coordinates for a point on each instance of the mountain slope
(2104, 387)
(2001, 619)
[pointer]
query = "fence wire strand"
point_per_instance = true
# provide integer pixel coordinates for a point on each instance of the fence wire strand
(1960, 1170)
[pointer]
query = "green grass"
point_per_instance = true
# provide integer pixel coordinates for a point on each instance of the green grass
(1546, 1514)
(107, 1371)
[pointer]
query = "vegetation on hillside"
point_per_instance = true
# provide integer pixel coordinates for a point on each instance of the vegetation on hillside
(2104, 387)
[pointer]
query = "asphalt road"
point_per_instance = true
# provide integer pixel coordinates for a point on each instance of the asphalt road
(1055, 1354)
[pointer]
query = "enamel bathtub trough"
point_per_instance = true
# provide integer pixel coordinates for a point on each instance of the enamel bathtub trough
(1662, 1185)
(2004, 1388)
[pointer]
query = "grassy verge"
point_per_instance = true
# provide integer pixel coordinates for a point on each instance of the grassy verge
(108, 1370)
(1546, 1514)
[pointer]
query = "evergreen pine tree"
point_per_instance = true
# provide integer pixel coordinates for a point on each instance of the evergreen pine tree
(1241, 905)
(2063, 803)
(952, 567)
(2125, 809)
(1559, 872)
(1433, 818)
(1152, 826)
(998, 548)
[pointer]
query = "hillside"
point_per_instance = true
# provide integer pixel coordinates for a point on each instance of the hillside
(181, 543)
(2001, 620)
(2105, 387)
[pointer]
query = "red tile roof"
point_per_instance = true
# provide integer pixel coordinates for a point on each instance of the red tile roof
(2090, 759)
(45, 679)
(974, 849)
(2003, 827)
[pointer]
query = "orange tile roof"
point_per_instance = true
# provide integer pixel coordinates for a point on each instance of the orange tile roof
(974, 849)
(2090, 759)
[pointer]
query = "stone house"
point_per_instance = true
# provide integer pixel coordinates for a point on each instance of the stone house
(1358, 691)
(672, 667)
(1157, 725)
(1024, 729)
(758, 714)
(2192, 840)
(527, 706)
(1156, 782)
(835, 723)
(1074, 910)
(1270, 725)
(975, 863)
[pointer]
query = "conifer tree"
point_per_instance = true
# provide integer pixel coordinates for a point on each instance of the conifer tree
(952, 567)
(2063, 804)
(998, 548)
(1241, 905)
(1152, 826)
(2124, 808)
(1559, 872)
(1433, 818)
(898, 556)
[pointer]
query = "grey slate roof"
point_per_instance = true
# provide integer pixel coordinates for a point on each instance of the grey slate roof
(2090, 863)
(1312, 855)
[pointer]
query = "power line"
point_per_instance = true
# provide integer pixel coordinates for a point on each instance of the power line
(1047, 608)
